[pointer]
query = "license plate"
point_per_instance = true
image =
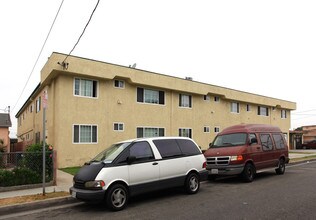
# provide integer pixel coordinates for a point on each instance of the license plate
(73, 194)
(214, 171)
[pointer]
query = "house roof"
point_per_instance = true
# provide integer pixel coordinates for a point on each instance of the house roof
(5, 120)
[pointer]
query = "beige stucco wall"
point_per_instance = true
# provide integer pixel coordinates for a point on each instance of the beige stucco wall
(120, 105)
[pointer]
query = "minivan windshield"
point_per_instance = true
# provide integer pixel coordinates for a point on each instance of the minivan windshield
(109, 154)
(230, 140)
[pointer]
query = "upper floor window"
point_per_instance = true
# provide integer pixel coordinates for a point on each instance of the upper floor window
(38, 104)
(206, 129)
(248, 108)
(216, 129)
(235, 107)
(283, 113)
(119, 84)
(216, 99)
(85, 134)
(207, 98)
(150, 96)
(263, 111)
(85, 87)
(185, 101)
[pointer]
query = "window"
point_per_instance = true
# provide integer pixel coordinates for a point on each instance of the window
(119, 84)
(118, 127)
(263, 111)
(216, 129)
(185, 132)
(283, 113)
(37, 137)
(248, 108)
(278, 140)
(150, 96)
(168, 148)
(85, 134)
(216, 99)
(207, 98)
(31, 108)
(266, 142)
(185, 101)
(252, 136)
(38, 104)
(85, 87)
(142, 151)
(206, 129)
(150, 132)
(235, 107)
(187, 147)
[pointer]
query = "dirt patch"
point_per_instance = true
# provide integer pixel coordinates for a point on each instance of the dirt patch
(31, 198)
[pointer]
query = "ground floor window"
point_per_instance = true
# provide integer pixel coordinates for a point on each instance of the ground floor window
(185, 132)
(85, 133)
(150, 132)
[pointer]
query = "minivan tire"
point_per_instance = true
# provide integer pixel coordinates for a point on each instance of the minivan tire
(248, 173)
(192, 183)
(281, 169)
(117, 197)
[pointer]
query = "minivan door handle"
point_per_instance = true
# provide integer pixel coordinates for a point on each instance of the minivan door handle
(155, 163)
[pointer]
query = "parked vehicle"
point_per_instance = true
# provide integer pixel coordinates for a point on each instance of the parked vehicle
(139, 166)
(247, 149)
(309, 145)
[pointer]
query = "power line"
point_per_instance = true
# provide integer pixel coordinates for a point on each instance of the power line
(63, 63)
(38, 56)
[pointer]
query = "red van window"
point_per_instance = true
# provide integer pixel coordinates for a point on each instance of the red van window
(266, 142)
(278, 140)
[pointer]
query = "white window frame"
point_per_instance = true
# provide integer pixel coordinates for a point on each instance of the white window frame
(248, 108)
(216, 129)
(187, 130)
(121, 84)
(235, 107)
(260, 113)
(79, 142)
(38, 104)
(80, 89)
(150, 127)
(120, 126)
(217, 99)
(146, 91)
(206, 129)
(206, 98)
(183, 103)
(283, 114)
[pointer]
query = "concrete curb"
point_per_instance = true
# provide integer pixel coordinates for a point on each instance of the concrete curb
(22, 207)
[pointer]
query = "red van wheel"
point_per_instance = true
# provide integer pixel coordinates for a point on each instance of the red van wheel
(248, 173)
(281, 169)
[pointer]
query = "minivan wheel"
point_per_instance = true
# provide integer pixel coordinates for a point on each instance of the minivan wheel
(248, 173)
(281, 169)
(192, 183)
(117, 197)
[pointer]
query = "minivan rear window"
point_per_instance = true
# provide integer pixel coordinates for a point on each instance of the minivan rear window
(230, 140)
(187, 147)
(168, 148)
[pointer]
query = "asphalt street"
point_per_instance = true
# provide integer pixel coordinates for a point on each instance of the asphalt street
(289, 196)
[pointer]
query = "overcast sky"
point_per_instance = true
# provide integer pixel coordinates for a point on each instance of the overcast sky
(263, 47)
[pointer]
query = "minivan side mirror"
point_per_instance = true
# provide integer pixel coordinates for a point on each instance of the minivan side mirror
(254, 141)
(131, 159)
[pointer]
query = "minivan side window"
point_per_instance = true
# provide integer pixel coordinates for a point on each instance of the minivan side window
(142, 151)
(187, 147)
(168, 148)
(278, 140)
(266, 142)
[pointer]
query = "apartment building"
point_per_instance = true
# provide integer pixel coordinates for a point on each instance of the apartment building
(92, 104)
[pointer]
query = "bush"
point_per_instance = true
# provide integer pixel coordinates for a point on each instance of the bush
(19, 176)
(33, 160)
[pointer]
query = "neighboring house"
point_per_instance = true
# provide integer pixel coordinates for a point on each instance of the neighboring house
(5, 123)
(92, 104)
(309, 133)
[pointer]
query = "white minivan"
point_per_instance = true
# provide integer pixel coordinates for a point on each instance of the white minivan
(138, 166)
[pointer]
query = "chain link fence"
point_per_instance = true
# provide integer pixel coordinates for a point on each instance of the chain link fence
(23, 168)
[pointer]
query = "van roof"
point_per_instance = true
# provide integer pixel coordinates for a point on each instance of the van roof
(250, 128)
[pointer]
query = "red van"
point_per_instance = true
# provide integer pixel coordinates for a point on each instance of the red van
(247, 149)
